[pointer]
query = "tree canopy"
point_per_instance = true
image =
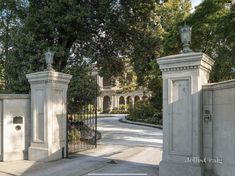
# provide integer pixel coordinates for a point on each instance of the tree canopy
(102, 31)
(105, 32)
(212, 33)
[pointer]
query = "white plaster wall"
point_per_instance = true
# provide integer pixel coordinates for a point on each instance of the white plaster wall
(219, 133)
(15, 142)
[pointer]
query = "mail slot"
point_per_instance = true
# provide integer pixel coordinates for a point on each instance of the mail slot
(17, 120)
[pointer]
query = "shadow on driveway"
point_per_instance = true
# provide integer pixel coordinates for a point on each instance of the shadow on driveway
(83, 165)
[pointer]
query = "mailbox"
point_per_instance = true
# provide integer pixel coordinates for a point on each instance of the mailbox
(17, 120)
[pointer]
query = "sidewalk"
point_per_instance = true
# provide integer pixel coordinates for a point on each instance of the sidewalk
(15, 167)
(105, 159)
(78, 164)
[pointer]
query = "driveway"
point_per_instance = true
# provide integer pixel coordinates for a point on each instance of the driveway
(124, 149)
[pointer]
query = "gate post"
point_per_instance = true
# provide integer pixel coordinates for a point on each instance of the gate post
(48, 115)
(183, 76)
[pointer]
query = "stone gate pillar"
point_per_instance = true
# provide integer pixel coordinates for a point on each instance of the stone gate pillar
(183, 76)
(48, 115)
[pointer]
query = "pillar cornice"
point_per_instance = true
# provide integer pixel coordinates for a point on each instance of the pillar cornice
(185, 61)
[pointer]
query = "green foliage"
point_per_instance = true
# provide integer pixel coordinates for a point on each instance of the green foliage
(213, 24)
(123, 109)
(106, 33)
(144, 111)
(103, 31)
(127, 80)
(11, 12)
(74, 135)
(23, 58)
(173, 13)
(155, 86)
(119, 111)
(168, 15)
(83, 88)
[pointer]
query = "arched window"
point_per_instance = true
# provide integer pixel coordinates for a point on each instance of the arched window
(121, 101)
(129, 100)
(106, 104)
(137, 98)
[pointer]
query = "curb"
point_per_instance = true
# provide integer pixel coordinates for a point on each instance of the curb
(124, 120)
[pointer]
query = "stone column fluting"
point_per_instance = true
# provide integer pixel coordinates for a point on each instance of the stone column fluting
(183, 76)
(48, 115)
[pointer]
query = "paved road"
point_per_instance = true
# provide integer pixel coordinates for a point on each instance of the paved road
(124, 149)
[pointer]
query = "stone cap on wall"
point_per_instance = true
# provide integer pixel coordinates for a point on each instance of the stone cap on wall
(14, 96)
(185, 61)
(219, 85)
(48, 76)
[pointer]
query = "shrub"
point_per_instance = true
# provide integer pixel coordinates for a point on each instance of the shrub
(145, 112)
(122, 107)
(73, 135)
(119, 111)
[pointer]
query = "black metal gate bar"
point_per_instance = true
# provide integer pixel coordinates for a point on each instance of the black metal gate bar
(82, 128)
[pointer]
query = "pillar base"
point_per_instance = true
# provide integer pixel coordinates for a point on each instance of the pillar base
(43, 154)
(180, 169)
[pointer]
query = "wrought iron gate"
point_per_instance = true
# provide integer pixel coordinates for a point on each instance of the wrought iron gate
(82, 129)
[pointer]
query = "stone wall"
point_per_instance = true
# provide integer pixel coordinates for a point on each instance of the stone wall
(48, 107)
(219, 127)
(183, 76)
(14, 127)
(198, 118)
(34, 127)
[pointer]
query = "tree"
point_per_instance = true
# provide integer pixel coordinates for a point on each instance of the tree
(104, 31)
(212, 33)
(173, 13)
(10, 13)
(155, 86)
(170, 13)
(167, 16)
(128, 80)
(212, 25)
(83, 88)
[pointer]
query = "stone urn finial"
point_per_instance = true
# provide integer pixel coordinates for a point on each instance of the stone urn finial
(49, 60)
(185, 35)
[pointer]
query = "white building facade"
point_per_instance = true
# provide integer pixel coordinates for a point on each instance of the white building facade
(113, 98)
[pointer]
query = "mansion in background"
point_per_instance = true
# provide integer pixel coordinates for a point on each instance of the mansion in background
(113, 98)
